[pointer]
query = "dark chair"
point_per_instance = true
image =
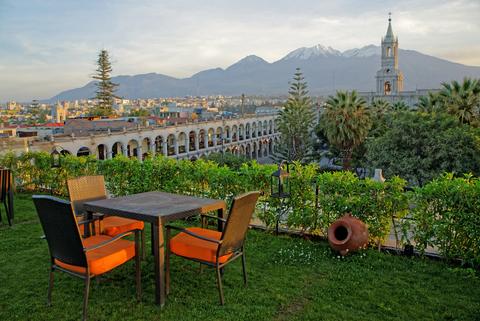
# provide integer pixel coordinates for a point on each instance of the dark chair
(6, 194)
(83, 258)
(212, 248)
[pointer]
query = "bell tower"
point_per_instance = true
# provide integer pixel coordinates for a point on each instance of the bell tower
(389, 77)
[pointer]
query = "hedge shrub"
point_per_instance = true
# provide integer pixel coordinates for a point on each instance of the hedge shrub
(445, 215)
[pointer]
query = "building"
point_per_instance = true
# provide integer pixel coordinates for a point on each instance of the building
(7, 131)
(86, 127)
(43, 132)
(12, 105)
(60, 112)
(389, 78)
(252, 136)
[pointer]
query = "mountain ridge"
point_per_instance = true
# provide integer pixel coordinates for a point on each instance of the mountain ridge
(326, 69)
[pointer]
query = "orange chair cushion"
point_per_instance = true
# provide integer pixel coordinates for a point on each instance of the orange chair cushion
(105, 258)
(114, 225)
(191, 247)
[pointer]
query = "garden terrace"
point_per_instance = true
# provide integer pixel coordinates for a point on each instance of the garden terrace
(289, 279)
(442, 214)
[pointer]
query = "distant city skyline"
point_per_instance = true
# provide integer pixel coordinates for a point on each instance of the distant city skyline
(52, 45)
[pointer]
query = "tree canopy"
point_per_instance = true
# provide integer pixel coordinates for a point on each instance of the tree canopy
(296, 122)
(462, 100)
(105, 93)
(421, 146)
(346, 123)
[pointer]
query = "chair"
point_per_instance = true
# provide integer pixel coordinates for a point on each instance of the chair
(6, 194)
(212, 248)
(92, 188)
(83, 258)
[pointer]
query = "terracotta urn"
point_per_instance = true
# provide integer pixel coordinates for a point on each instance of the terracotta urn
(347, 234)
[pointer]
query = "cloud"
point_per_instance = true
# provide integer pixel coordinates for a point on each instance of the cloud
(49, 46)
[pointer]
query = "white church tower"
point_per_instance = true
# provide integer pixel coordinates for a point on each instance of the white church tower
(389, 77)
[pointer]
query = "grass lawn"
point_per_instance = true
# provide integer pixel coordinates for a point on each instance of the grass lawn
(289, 279)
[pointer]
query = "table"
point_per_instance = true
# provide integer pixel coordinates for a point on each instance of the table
(157, 208)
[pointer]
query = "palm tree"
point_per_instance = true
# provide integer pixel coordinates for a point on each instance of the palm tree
(346, 123)
(429, 103)
(400, 106)
(380, 107)
(462, 100)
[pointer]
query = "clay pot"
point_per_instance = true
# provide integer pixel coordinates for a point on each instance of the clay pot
(347, 234)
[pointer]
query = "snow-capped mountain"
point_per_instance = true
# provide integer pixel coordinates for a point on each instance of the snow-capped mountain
(367, 51)
(311, 52)
(325, 69)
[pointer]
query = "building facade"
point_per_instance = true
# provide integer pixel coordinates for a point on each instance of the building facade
(389, 79)
(253, 137)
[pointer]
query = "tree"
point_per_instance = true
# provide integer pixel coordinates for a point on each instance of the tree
(296, 122)
(420, 146)
(142, 112)
(400, 106)
(429, 103)
(462, 100)
(105, 93)
(346, 123)
(380, 107)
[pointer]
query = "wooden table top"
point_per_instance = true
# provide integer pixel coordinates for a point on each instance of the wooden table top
(151, 206)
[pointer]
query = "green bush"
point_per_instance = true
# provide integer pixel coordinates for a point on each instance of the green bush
(447, 216)
(375, 203)
(229, 159)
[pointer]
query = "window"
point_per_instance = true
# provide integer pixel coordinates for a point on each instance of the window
(387, 88)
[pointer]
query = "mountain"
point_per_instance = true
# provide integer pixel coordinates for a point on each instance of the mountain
(325, 69)
(366, 51)
(305, 53)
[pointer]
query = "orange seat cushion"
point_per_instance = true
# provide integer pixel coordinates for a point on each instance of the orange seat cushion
(105, 258)
(114, 225)
(191, 247)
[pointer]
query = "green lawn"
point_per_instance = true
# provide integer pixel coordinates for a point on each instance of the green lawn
(289, 279)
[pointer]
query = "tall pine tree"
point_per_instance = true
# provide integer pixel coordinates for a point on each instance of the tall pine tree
(105, 93)
(296, 122)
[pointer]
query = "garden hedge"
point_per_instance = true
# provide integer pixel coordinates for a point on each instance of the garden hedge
(445, 211)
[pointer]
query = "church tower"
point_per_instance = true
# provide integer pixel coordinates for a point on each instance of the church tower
(389, 78)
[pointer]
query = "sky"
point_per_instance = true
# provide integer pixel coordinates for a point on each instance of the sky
(48, 46)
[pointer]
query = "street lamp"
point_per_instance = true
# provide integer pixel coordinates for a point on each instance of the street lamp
(56, 154)
(56, 162)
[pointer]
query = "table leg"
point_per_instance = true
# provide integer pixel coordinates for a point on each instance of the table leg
(89, 218)
(159, 256)
(220, 214)
(152, 241)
